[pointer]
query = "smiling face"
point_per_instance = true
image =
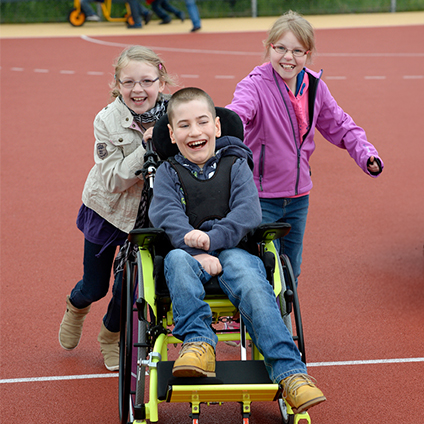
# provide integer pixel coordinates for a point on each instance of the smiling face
(194, 130)
(140, 99)
(287, 65)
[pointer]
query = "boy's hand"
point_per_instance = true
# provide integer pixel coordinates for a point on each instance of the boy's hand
(373, 165)
(197, 239)
(209, 263)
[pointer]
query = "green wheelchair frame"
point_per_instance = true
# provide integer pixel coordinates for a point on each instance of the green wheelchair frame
(145, 373)
(146, 316)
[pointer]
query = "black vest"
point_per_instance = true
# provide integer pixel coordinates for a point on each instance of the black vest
(206, 199)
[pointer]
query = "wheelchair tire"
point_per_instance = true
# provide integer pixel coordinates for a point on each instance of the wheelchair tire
(132, 378)
(76, 18)
(286, 417)
(291, 284)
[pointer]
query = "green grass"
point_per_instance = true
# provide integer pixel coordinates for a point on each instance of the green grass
(34, 11)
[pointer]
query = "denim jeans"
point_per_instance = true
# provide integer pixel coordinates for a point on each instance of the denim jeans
(160, 6)
(193, 12)
(137, 11)
(294, 211)
(244, 282)
(86, 8)
(95, 283)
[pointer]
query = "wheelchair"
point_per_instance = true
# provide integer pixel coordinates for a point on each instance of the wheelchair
(145, 372)
(76, 16)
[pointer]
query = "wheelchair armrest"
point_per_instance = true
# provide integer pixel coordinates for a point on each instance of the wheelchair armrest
(146, 237)
(270, 231)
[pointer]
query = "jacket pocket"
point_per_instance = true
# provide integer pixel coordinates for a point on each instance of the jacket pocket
(127, 142)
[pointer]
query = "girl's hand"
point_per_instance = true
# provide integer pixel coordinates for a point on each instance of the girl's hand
(197, 239)
(373, 165)
(209, 263)
(148, 134)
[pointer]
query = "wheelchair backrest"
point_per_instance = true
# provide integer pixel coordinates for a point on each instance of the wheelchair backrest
(231, 124)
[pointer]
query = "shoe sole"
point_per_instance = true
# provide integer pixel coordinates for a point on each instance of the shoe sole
(309, 404)
(113, 368)
(191, 372)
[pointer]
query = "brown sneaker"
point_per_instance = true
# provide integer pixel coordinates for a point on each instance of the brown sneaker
(71, 326)
(197, 359)
(109, 346)
(301, 393)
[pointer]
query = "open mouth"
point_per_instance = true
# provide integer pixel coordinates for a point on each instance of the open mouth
(197, 144)
(138, 99)
(288, 67)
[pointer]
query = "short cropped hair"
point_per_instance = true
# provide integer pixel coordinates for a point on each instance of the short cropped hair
(186, 95)
(298, 25)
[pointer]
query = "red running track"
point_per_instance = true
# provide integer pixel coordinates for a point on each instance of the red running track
(362, 284)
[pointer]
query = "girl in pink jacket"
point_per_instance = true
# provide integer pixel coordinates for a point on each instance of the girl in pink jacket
(281, 103)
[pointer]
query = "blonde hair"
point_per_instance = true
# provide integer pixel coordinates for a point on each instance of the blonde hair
(188, 94)
(141, 54)
(298, 25)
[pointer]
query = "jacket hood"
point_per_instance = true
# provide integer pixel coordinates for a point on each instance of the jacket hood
(229, 145)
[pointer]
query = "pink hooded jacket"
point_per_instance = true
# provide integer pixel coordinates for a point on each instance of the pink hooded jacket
(271, 131)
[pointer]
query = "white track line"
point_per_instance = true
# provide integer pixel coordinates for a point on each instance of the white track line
(220, 52)
(58, 378)
(172, 49)
(112, 375)
(368, 362)
(193, 76)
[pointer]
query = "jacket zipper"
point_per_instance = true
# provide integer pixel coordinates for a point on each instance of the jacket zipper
(311, 107)
(261, 166)
(293, 132)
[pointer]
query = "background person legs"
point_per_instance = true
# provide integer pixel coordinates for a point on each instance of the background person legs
(193, 12)
(160, 7)
(89, 12)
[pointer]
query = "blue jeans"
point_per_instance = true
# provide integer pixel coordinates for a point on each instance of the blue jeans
(137, 11)
(193, 12)
(244, 281)
(160, 6)
(95, 284)
(293, 211)
(86, 8)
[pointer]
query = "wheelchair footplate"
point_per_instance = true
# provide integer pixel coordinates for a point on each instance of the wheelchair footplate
(236, 381)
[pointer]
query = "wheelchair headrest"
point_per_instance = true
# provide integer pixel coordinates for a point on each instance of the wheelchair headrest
(231, 124)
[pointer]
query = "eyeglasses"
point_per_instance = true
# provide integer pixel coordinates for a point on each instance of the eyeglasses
(143, 83)
(295, 52)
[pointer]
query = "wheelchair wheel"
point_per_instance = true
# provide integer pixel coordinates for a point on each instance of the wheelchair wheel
(131, 371)
(286, 417)
(76, 17)
(291, 285)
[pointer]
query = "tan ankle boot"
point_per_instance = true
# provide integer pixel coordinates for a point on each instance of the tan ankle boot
(301, 392)
(196, 359)
(109, 346)
(71, 326)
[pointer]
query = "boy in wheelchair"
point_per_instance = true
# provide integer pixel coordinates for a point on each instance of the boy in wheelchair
(206, 201)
